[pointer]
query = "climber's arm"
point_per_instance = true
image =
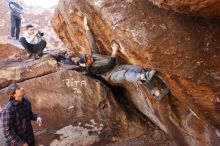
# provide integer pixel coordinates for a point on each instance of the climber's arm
(110, 65)
(90, 37)
(104, 68)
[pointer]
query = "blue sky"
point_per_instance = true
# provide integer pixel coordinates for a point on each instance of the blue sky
(42, 3)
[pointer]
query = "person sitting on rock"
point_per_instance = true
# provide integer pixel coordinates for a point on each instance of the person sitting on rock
(97, 64)
(33, 43)
(16, 118)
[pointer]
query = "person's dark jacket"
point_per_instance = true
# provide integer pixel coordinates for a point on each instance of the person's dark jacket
(16, 123)
(16, 9)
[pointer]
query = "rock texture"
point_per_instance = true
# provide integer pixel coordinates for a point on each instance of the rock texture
(184, 50)
(78, 110)
(8, 51)
(18, 70)
(205, 8)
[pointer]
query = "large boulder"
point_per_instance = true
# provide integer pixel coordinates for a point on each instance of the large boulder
(9, 51)
(78, 110)
(184, 50)
(205, 8)
(18, 70)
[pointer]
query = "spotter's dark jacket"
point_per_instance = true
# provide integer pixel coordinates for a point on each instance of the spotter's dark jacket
(16, 123)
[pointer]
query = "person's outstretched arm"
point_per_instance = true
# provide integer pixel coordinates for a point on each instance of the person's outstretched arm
(34, 116)
(110, 65)
(90, 37)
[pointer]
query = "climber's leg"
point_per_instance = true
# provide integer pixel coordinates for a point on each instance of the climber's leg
(118, 76)
(154, 91)
(133, 68)
(131, 73)
(148, 75)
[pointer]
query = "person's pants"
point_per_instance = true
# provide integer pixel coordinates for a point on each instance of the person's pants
(15, 26)
(37, 48)
(130, 73)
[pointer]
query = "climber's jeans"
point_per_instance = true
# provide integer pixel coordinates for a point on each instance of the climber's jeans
(15, 26)
(37, 48)
(130, 73)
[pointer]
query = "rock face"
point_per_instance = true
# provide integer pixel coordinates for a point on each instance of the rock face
(9, 51)
(184, 50)
(18, 70)
(205, 8)
(78, 110)
(59, 99)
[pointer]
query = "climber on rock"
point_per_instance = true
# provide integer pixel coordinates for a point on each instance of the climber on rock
(33, 43)
(115, 72)
(16, 118)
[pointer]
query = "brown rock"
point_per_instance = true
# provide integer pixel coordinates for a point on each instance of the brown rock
(10, 51)
(76, 109)
(157, 135)
(18, 70)
(205, 8)
(183, 49)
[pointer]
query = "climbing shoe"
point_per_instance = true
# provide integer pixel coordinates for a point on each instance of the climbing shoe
(159, 94)
(148, 75)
